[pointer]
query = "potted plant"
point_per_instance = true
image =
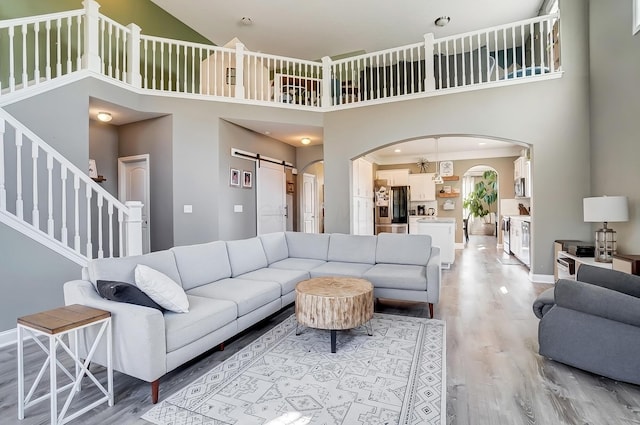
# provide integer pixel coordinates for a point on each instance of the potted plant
(479, 203)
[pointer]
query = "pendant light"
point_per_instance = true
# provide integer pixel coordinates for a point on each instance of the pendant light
(436, 177)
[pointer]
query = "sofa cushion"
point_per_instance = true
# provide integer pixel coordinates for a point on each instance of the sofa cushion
(275, 246)
(206, 315)
(122, 269)
(393, 248)
(352, 248)
(202, 263)
(125, 293)
(397, 276)
(245, 256)
(288, 279)
(302, 264)
(247, 294)
(308, 245)
(161, 289)
(337, 268)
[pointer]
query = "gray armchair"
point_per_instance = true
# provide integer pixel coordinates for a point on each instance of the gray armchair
(593, 323)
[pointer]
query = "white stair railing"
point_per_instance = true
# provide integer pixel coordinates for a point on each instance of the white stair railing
(47, 197)
(54, 45)
(41, 48)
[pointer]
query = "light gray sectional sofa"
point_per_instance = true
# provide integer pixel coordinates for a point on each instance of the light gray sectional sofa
(234, 284)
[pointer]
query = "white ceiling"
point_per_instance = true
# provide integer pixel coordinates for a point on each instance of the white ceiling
(313, 29)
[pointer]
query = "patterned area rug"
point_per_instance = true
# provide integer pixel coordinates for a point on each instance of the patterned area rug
(396, 376)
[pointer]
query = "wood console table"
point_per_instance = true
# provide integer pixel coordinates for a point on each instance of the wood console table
(54, 324)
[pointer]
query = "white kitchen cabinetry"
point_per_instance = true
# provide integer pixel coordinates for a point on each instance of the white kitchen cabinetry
(413, 224)
(422, 187)
(519, 243)
(519, 167)
(362, 203)
(442, 232)
(362, 178)
(394, 177)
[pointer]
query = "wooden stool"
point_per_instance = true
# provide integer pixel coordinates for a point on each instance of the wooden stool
(334, 303)
(54, 324)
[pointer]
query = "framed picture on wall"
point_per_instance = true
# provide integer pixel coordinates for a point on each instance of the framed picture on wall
(247, 179)
(235, 177)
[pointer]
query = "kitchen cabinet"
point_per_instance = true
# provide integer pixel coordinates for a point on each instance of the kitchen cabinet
(362, 178)
(362, 201)
(413, 224)
(399, 177)
(522, 169)
(519, 238)
(362, 222)
(422, 187)
(442, 232)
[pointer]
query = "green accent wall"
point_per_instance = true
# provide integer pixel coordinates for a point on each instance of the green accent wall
(147, 15)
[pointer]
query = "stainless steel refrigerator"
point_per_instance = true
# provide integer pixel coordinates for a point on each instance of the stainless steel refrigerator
(392, 208)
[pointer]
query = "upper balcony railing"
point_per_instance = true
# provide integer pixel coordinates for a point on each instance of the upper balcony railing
(42, 48)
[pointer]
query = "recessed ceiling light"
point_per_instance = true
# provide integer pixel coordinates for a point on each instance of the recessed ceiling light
(305, 140)
(482, 143)
(442, 21)
(397, 150)
(104, 116)
(267, 132)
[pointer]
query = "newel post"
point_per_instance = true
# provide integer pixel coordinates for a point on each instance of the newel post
(91, 57)
(327, 96)
(429, 75)
(133, 56)
(239, 77)
(133, 228)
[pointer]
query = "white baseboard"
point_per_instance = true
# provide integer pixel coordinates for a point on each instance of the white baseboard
(459, 245)
(541, 278)
(8, 337)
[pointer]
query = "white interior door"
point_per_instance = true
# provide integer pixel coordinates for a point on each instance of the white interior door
(309, 204)
(133, 185)
(271, 198)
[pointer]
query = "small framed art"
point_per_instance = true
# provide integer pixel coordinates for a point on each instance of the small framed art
(234, 177)
(247, 179)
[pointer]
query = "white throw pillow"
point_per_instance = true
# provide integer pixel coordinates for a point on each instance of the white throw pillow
(161, 289)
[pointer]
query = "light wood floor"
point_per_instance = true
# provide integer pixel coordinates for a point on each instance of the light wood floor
(494, 374)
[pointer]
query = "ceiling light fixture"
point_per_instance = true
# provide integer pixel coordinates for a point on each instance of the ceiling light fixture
(104, 116)
(305, 140)
(397, 150)
(442, 21)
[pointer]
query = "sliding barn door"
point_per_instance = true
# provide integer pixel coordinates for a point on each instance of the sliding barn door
(271, 198)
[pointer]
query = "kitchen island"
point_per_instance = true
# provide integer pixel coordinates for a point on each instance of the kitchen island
(442, 232)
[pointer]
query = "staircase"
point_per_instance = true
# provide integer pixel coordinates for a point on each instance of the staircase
(47, 198)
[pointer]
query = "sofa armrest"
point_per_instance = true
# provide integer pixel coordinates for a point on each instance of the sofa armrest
(598, 301)
(139, 344)
(434, 276)
(544, 302)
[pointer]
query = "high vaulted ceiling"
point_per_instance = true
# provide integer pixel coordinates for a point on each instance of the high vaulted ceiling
(313, 29)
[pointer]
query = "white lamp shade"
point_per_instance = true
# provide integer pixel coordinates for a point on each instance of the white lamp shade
(605, 208)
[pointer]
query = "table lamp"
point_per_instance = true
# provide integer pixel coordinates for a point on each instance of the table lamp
(605, 209)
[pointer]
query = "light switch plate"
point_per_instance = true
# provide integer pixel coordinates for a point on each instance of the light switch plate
(188, 209)
(237, 208)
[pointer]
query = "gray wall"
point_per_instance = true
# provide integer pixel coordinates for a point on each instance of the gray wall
(103, 147)
(552, 116)
(31, 277)
(243, 225)
(154, 137)
(614, 66)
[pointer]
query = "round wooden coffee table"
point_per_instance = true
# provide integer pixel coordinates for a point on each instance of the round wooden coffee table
(334, 303)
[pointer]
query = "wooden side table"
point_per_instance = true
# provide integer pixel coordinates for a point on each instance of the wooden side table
(54, 324)
(334, 303)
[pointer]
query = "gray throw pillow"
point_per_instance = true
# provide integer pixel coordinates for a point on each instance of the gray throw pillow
(125, 293)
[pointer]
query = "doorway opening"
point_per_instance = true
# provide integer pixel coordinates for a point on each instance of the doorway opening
(312, 198)
(133, 185)
(480, 194)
